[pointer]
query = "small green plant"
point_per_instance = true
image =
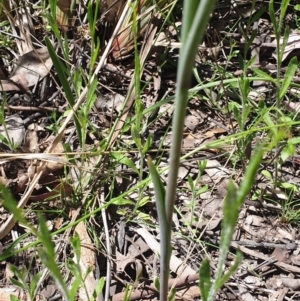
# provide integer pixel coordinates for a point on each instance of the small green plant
(54, 126)
(286, 195)
(193, 187)
(46, 251)
(290, 210)
(234, 199)
(21, 280)
(5, 39)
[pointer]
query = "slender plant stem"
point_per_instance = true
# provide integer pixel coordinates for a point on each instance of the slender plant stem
(195, 18)
(186, 62)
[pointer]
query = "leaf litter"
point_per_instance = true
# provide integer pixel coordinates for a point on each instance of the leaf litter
(265, 231)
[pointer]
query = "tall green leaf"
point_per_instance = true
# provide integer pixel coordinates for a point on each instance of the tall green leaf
(288, 76)
(61, 72)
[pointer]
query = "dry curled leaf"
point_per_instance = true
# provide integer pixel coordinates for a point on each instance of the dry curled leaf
(13, 130)
(293, 43)
(62, 190)
(29, 69)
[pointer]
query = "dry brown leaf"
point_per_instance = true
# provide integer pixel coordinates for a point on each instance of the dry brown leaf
(137, 248)
(281, 255)
(8, 291)
(18, 83)
(64, 14)
(31, 139)
(53, 165)
(62, 190)
(14, 130)
(64, 5)
(22, 181)
(123, 261)
(123, 43)
(4, 181)
(109, 102)
(293, 43)
(87, 261)
(2, 74)
(29, 69)
(293, 106)
(188, 293)
(213, 132)
(216, 171)
(244, 294)
(49, 291)
(291, 283)
(191, 122)
(176, 265)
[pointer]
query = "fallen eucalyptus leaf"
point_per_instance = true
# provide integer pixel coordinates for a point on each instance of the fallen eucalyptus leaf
(293, 43)
(14, 130)
(29, 69)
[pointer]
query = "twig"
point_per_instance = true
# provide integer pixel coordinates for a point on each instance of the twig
(35, 109)
(253, 244)
(284, 266)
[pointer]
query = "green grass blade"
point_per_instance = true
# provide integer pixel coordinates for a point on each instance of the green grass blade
(230, 212)
(33, 284)
(264, 75)
(273, 18)
(13, 298)
(249, 175)
(288, 76)
(184, 73)
(189, 11)
(282, 46)
(283, 8)
(205, 281)
(9, 203)
(165, 230)
(159, 192)
(45, 236)
(234, 199)
(11, 249)
(238, 259)
(47, 256)
(195, 18)
(61, 71)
